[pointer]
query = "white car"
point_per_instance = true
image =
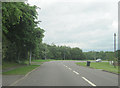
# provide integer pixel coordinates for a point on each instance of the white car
(98, 60)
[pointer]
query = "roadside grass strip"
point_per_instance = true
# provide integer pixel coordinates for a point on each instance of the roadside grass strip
(21, 71)
(39, 60)
(7, 65)
(101, 65)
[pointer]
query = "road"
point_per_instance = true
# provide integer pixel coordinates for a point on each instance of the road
(67, 73)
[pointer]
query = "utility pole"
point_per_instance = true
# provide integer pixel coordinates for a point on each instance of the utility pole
(114, 49)
(114, 42)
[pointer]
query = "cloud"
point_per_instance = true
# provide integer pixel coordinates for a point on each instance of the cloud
(88, 24)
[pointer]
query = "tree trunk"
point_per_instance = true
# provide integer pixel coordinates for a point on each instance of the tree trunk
(18, 56)
(30, 57)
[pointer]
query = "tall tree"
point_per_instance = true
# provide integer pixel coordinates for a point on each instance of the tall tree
(20, 28)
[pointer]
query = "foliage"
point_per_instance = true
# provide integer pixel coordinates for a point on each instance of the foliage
(20, 29)
(93, 55)
(63, 53)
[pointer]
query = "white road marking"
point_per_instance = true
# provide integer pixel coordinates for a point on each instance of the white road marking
(66, 66)
(88, 81)
(76, 72)
(69, 68)
(82, 77)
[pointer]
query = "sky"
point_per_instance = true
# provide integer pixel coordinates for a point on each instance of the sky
(87, 24)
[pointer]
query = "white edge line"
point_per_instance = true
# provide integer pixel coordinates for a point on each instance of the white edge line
(88, 81)
(23, 77)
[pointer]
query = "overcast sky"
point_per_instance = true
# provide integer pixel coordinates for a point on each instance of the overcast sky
(87, 24)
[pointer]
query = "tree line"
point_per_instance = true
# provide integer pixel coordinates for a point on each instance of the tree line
(21, 37)
(104, 55)
(67, 53)
(52, 51)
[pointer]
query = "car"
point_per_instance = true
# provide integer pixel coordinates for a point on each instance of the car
(98, 60)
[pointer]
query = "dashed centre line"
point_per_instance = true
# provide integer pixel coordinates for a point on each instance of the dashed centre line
(82, 77)
(64, 65)
(88, 81)
(69, 68)
(76, 72)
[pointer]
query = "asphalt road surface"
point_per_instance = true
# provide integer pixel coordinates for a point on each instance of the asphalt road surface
(67, 73)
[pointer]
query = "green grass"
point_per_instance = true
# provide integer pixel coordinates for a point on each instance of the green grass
(21, 71)
(101, 65)
(40, 60)
(6, 65)
(92, 60)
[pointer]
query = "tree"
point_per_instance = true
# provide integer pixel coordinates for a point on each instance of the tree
(77, 54)
(20, 29)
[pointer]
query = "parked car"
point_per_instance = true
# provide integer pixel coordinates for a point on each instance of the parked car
(98, 60)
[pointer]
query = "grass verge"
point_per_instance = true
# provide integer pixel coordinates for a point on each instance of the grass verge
(101, 65)
(40, 60)
(7, 65)
(21, 71)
